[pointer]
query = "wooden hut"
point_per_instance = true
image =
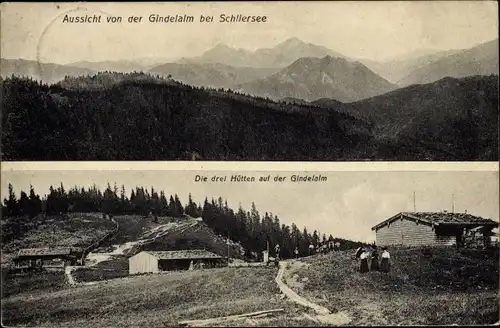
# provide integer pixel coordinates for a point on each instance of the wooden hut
(432, 229)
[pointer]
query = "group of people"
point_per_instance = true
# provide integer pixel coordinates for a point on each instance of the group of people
(324, 248)
(369, 259)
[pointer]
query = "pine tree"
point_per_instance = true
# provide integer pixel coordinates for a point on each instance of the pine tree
(191, 208)
(315, 238)
(35, 203)
(178, 205)
(11, 202)
(108, 201)
(24, 204)
(306, 241)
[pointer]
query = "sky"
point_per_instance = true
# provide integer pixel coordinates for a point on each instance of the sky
(347, 205)
(372, 30)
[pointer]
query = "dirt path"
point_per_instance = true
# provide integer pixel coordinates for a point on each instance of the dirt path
(294, 296)
(323, 315)
(69, 277)
(71, 281)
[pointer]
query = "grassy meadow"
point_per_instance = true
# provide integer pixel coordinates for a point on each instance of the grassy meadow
(150, 300)
(32, 282)
(426, 286)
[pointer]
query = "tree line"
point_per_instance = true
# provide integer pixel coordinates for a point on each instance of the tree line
(254, 231)
(112, 201)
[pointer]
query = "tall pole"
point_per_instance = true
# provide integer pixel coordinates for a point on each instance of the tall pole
(452, 203)
(228, 247)
(414, 204)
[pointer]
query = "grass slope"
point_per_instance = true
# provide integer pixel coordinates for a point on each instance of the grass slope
(69, 230)
(425, 286)
(153, 300)
(32, 282)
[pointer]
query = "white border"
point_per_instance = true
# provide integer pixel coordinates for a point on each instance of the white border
(248, 166)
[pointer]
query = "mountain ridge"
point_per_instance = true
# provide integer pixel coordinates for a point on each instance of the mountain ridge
(481, 59)
(42, 71)
(281, 55)
(312, 78)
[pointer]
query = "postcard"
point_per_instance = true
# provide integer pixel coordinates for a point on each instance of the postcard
(249, 164)
(250, 81)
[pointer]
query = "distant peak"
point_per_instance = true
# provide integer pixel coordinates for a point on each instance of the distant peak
(292, 41)
(221, 46)
(330, 58)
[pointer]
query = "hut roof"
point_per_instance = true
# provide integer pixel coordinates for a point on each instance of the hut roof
(440, 218)
(184, 255)
(31, 252)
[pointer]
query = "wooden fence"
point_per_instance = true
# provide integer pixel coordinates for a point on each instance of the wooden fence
(110, 235)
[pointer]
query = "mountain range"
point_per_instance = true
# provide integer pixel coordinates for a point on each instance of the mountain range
(479, 60)
(215, 75)
(122, 66)
(46, 72)
(292, 69)
(283, 54)
(398, 68)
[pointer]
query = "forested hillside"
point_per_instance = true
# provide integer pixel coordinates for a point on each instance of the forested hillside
(457, 118)
(248, 227)
(138, 116)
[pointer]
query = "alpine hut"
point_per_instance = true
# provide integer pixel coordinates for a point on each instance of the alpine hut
(432, 229)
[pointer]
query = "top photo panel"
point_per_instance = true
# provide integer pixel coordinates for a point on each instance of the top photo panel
(250, 81)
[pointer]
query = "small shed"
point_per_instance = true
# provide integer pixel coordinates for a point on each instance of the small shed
(29, 258)
(432, 229)
(158, 261)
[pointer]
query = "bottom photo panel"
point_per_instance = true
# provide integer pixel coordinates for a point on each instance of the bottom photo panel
(156, 248)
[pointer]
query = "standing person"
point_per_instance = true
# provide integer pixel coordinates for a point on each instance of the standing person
(363, 266)
(311, 249)
(358, 252)
(385, 264)
(296, 252)
(374, 263)
(277, 250)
